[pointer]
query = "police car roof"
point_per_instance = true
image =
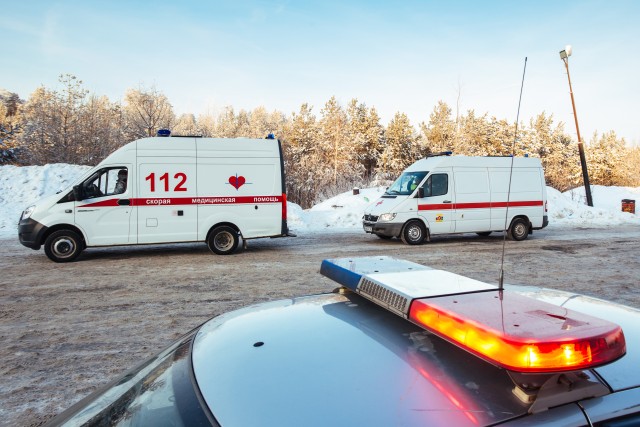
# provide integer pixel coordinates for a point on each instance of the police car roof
(342, 360)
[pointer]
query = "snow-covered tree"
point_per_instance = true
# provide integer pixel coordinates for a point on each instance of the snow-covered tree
(365, 135)
(400, 147)
(186, 125)
(440, 133)
(307, 173)
(605, 158)
(53, 130)
(146, 111)
(10, 127)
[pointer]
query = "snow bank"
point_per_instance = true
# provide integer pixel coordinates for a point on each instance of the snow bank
(21, 186)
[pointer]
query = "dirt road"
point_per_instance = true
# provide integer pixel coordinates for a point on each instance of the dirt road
(68, 328)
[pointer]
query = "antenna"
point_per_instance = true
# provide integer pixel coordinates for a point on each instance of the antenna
(513, 155)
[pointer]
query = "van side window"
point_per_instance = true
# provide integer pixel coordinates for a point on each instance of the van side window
(105, 182)
(437, 185)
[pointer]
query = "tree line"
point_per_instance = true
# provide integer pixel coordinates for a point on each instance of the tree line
(327, 152)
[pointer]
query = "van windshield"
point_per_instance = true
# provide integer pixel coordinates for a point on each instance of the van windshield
(406, 184)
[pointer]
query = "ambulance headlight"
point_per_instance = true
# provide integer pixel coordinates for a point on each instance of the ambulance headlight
(387, 217)
(26, 214)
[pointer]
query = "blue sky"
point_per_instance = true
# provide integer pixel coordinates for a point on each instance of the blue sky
(395, 56)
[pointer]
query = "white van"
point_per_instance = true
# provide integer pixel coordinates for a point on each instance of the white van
(166, 190)
(458, 194)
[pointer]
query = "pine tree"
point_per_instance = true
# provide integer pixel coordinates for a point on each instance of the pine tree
(440, 133)
(400, 149)
(364, 134)
(10, 127)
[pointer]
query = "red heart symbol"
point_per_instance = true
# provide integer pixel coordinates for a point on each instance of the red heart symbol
(237, 181)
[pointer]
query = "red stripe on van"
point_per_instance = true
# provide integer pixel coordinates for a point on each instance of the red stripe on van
(478, 205)
(171, 201)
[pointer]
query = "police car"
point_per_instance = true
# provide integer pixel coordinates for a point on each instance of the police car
(396, 344)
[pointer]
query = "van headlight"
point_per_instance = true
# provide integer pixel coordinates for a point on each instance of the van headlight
(26, 214)
(387, 217)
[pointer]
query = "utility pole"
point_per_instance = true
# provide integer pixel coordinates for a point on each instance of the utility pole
(564, 55)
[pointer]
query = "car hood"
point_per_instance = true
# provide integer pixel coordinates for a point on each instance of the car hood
(384, 204)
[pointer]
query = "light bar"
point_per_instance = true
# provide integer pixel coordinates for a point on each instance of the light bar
(394, 283)
(506, 329)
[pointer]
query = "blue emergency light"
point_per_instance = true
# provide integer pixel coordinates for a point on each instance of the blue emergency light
(164, 132)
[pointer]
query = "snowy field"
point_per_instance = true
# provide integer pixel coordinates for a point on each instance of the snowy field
(21, 186)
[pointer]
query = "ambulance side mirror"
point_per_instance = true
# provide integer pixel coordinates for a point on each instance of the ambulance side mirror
(420, 192)
(77, 192)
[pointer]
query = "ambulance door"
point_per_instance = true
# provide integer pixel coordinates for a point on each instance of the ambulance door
(437, 207)
(104, 212)
(166, 212)
(473, 207)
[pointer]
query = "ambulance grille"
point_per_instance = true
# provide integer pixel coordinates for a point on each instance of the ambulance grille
(384, 297)
(371, 218)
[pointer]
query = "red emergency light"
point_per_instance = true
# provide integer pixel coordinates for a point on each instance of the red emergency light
(521, 334)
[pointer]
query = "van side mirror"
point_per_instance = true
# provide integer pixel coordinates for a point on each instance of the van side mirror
(420, 192)
(77, 192)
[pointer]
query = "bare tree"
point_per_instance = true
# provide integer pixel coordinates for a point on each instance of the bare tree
(146, 111)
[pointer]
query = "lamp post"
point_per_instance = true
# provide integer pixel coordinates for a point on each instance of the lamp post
(564, 55)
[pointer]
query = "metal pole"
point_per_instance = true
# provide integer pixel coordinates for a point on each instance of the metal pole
(583, 160)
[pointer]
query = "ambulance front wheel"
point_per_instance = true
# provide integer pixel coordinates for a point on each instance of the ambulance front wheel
(519, 229)
(413, 233)
(223, 240)
(63, 246)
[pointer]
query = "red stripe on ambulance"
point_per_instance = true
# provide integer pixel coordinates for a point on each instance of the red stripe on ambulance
(175, 201)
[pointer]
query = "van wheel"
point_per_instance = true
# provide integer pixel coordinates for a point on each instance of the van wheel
(63, 246)
(413, 233)
(519, 229)
(223, 240)
(483, 233)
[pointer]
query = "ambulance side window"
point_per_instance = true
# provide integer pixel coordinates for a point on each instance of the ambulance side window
(436, 185)
(103, 183)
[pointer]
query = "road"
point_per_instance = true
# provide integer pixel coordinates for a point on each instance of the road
(68, 328)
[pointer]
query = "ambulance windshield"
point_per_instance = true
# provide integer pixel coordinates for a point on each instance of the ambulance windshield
(406, 184)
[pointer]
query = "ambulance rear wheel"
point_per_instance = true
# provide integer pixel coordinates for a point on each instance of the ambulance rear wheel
(223, 240)
(63, 246)
(519, 229)
(413, 233)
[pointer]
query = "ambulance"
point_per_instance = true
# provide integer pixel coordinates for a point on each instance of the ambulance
(166, 190)
(444, 194)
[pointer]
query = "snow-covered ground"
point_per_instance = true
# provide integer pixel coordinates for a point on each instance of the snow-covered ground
(21, 186)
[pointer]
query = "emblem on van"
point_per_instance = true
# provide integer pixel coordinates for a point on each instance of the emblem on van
(237, 181)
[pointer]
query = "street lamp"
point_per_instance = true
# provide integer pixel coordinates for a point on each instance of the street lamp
(564, 55)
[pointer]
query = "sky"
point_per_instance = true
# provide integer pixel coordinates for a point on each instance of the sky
(395, 56)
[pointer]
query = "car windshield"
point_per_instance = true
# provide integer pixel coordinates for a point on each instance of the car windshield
(406, 184)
